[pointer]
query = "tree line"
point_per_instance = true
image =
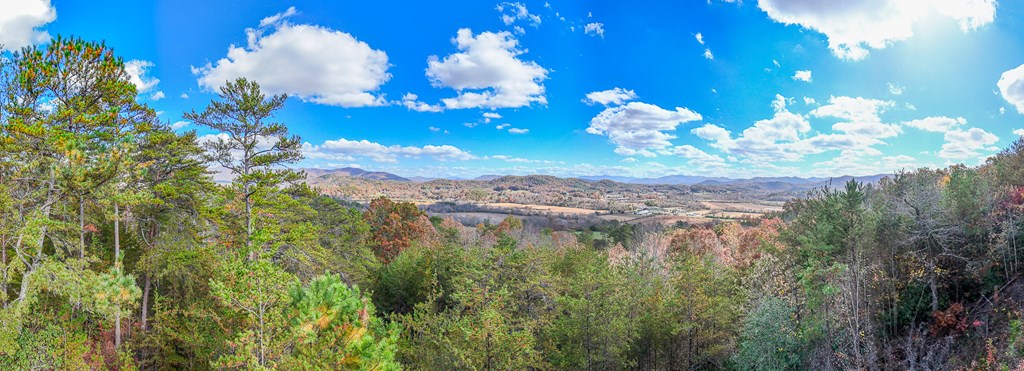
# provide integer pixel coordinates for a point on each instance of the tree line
(118, 251)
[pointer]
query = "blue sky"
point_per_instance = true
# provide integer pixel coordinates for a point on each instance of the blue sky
(640, 88)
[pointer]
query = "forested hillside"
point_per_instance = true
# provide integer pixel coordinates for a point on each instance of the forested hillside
(118, 251)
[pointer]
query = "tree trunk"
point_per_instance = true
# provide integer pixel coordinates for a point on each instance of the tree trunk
(935, 292)
(117, 234)
(81, 228)
(117, 330)
(145, 302)
(248, 210)
(263, 357)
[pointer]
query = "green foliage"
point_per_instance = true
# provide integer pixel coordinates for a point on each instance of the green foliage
(258, 290)
(335, 327)
(594, 327)
(770, 339)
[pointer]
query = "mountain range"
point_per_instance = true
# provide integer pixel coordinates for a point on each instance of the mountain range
(670, 179)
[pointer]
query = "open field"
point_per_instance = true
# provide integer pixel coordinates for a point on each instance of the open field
(747, 207)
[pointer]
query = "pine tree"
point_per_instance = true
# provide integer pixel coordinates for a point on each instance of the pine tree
(250, 145)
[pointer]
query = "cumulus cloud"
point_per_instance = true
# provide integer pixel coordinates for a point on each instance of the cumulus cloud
(351, 150)
(594, 29)
(639, 128)
(1011, 86)
(488, 116)
(964, 144)
(411, 101)
(1019, 132)
(489, 64)
(777, 138)
(938, 124)
(614, 96)
(802, 75)
(314, 63)
(783, 137)
(138, 75)
(859, 163)
(515, 12)
(854, 26)
(697, 157)
(700, 38)
(180, 124)
(708, 55)
(861, 116)
(502, 126)
(518, 131)
(21, 20)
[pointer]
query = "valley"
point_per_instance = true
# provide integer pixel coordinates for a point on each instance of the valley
(574, 202)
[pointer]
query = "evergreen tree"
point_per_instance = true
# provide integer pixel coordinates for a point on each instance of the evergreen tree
(250, 145)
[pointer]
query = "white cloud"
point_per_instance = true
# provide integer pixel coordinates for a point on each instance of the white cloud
(411, 101)
(774, 139)
(502, 126)
(614, 96)
(853, 109)
(708, 55)
(861, 115)
(895, 89)
(158, 95)
(1019, 132)
(802, 75)
(699, 37)
(488, 62)
(138, 75)
(594, 29)
(938, 124)
(697, 157)
(350, 150)
(783, 137)
(1011, 85)
(488, 116)
(184, 95)
(514, 12)
(964, 144)
(277, 18)
(809, 101)
(314, 63)
(859, 163)
(638, 128)
(434, 129)
(518, 131)
(853, 26)
(180, 124)
(21, 20)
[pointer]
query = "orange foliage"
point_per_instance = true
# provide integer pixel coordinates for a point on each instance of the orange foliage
(729, 243)
(395, 225)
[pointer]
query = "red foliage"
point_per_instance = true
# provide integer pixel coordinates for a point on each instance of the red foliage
(395, 225)
(952, 321)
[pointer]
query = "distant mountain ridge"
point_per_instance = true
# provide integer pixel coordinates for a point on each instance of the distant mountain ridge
(666, 180)
(355, 173)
